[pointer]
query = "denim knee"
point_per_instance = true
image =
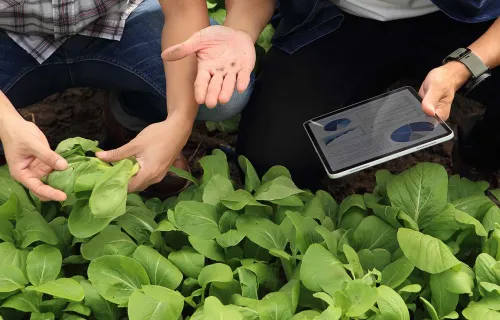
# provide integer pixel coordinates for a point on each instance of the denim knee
(224, 112)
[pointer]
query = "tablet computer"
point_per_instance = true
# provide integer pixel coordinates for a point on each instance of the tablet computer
(374, 131)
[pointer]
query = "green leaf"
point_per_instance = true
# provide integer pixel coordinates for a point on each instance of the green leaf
(352, 201)
(217, 272)
(306, 315)
(101, 309)
(330, 206)
(374, 233)
(79, 308)
(216, 189)
(252, 181)
(10, 256)
(275, 306)
(6, 229)
(472, 205)
(11, 279)
(188, 261)
(491, 217)
(208, 248)
(391, 305)
(331, 313)
(156, 303)
(275, 172)
(443, 225)
(461, 188)
(425, 252)
(352, 219)
(42, 316)
(383, 177)
(137, 224)
(109, 196)
(478, 311)
(213, 165)
(374, 259)
(360, 296)
(214, 309)
(353, 260)
(230, 238)
(28, 301)
(70, 146)
(62, 288)
(262, 232)
(278, 188)
(11, 208)
(197, 219)
(314, 209)
(321, 271)
(239, 199)
(228, 221)
(43, 264)
(33, 227)
(160, 270)
(420, 191)
(224, 291)
(248, 282)
(109, 241)
(185, 175)
(388, 214)
(468, 220)
(305, 231)
(443, 300)
(117, 277)
(397, 272)
(60, 227)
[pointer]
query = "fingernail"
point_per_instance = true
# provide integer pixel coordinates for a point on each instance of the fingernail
(61, 164)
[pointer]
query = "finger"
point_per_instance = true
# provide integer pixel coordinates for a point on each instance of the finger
(431, 101)
(48, 157)
(227, 88)
(184, 49)
(201, 86)
(243, 80)
(121, 153)
(443, 111)
(139, 182)
(42, 190)
(214, 90)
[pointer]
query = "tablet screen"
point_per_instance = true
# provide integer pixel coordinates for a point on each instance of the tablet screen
(373, 129)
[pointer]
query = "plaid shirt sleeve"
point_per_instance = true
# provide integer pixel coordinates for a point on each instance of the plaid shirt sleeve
(41, 26)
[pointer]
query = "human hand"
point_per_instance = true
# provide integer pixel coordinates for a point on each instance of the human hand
(155, 148)
(29, 157)
(226, 58)
(439, 88)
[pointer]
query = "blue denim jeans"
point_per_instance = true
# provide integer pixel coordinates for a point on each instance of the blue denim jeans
(131, 68)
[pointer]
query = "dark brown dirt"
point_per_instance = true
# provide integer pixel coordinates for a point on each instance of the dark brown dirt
(78, 112)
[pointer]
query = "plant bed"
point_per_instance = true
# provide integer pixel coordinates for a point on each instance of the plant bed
(422, 245)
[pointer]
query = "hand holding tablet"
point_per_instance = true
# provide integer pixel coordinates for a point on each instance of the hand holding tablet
(374, 131)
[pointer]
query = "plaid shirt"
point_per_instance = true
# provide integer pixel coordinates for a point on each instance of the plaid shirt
(41, 26)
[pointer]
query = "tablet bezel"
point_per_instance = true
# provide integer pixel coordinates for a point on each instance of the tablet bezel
(375, 160)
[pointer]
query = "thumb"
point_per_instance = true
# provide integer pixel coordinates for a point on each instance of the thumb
(431, 101)
(49, 157)
(184, 49)
(116, 154)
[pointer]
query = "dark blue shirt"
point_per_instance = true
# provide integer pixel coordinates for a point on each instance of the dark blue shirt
(303, 21)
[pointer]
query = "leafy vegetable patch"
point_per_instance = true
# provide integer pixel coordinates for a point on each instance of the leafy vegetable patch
(421, 246)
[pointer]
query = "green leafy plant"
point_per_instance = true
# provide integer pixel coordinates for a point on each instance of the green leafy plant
(421, 246)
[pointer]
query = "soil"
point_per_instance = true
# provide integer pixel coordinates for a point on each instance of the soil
(78, 112)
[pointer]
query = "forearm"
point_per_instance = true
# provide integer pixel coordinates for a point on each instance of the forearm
(182, 19)
(250, 16)
(7, 111)
(487, 48)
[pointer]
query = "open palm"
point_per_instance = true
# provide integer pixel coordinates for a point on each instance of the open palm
(226, 58)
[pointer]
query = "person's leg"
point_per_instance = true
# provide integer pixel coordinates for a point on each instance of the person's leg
(353, 63)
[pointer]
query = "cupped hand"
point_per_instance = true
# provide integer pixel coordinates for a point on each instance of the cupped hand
(155, 148)
(226, 58)
(439, 88)
(30, 158)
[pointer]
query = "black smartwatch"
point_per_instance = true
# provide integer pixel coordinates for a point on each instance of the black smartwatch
(476, 66)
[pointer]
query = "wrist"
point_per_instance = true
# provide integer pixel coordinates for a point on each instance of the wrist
(460, 74)
(6, 120)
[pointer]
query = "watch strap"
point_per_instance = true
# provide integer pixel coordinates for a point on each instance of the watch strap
(470, 60)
